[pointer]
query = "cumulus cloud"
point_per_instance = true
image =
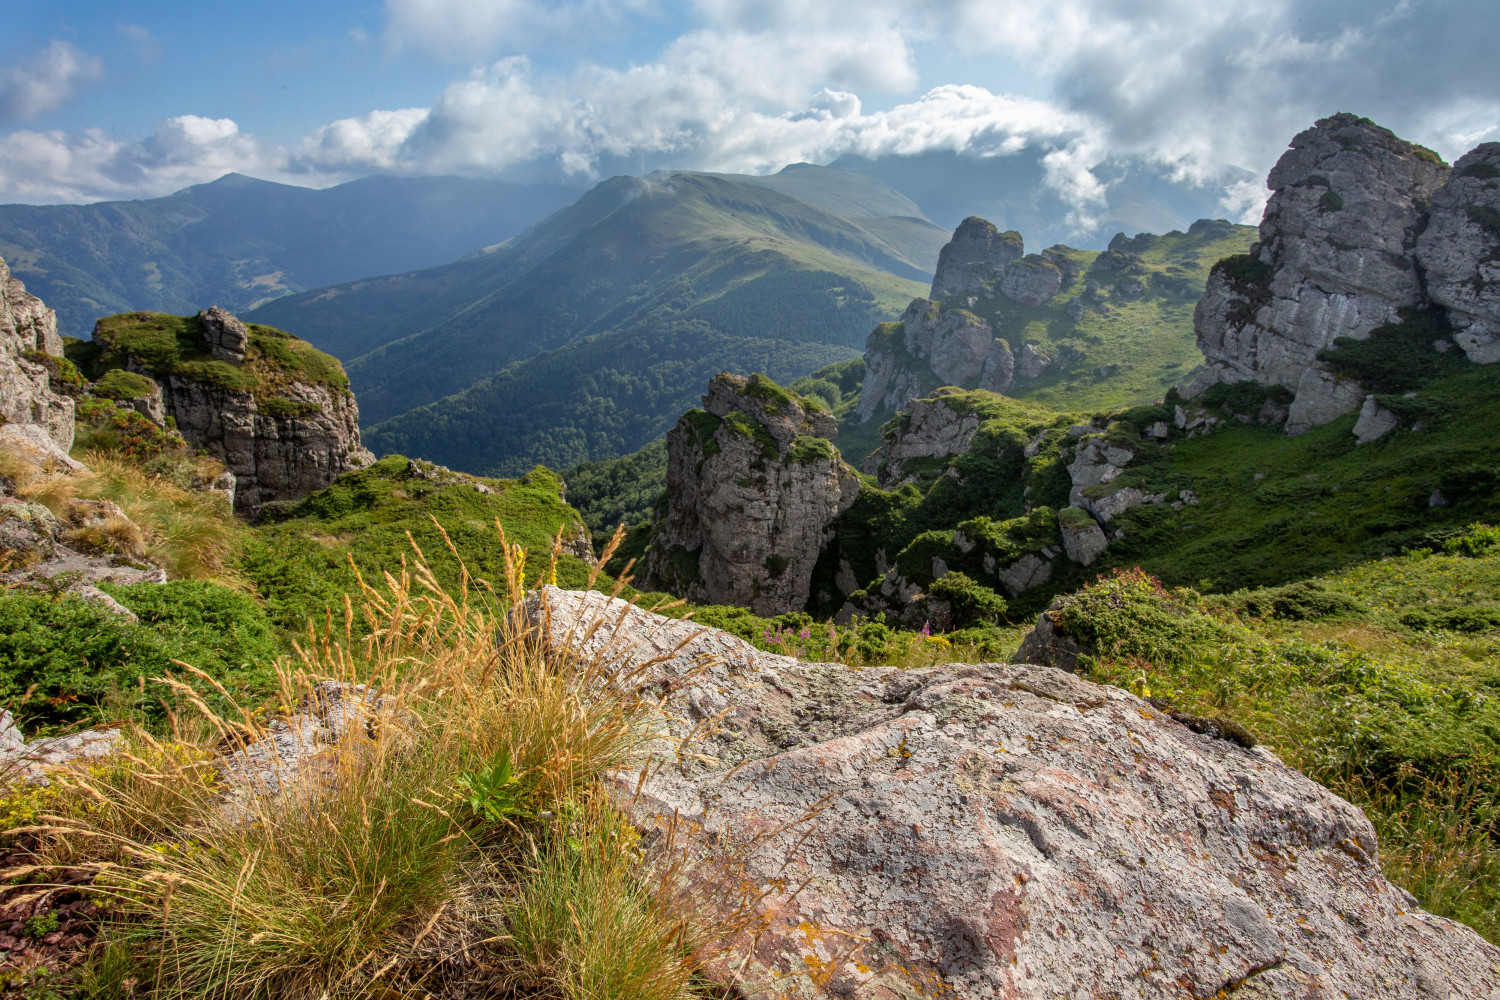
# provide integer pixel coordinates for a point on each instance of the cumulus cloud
(751, 85)
(46, 81)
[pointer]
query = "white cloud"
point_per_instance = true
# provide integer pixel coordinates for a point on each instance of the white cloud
(46, 81)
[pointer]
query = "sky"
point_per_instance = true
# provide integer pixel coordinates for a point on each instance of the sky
(103, 101)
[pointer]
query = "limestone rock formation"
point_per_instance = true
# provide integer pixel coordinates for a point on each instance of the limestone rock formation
(282, 434)
(26, 325)
(1031, 280)
(1082, 538)
(999, 367)
(973, 257)
(1003, 831)
(930, 347)
(753, 489)
(1459, 251)
(1361, 227)
(1032, 362)
(1375, 421)
(228, 338)
(929, 428)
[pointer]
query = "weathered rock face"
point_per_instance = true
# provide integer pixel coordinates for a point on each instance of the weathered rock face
(932, 428)
(1459, 251)
(1361, 226)
(1031, 280)
(25, 396)
(754, 487)
(999, 367)
(999, 831)
(228, 338)
(975, 254)
(276, 449)
(273, 457)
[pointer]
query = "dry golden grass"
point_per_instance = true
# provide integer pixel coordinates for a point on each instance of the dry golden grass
(458, 837)
(190, 533)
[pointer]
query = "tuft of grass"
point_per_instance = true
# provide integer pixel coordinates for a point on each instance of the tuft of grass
(370, 873)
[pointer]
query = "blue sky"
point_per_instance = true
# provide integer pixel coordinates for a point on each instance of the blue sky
(118, 101)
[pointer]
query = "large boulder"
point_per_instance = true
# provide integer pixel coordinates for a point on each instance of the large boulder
(1335, 259)
(973, 257)
(1459, 251)
(1031, 280)
(27, 326)
(1000, 831)
(754, 486)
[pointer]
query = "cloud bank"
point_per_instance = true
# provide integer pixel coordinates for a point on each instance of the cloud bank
(751, 85)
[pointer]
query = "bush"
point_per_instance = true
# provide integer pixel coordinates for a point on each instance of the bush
(973, 603)
(82, 664)
(1130, 614)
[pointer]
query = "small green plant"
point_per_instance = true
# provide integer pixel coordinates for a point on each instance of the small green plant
(494, 793)
(41, 924)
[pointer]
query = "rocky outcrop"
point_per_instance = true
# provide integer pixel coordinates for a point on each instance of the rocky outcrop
(1083, 540)
(1459, 251)
(999, 367)
(1362, 226)
(929, 428)
(930, 347)
(973, 257)
(1374, 422)
(1031, 280)
(26, 397)
(1001, 831)
(284, 437)
(32, 760)
(754, 486)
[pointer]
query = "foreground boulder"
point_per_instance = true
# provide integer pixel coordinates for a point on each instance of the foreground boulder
(754, 486)
(277, 412)
(1006, 831)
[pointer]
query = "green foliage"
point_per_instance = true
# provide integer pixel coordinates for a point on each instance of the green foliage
(176, 345)
(807, 449)
(40, 924)
(493, 793)
(117, 383)
(63, 377)
(103, 425)
(1305, 600)
(301, 565)
(1129, 614)
(1399, 356)
(80, 661)
(1330, 202)
(973, 603)
(619, 490)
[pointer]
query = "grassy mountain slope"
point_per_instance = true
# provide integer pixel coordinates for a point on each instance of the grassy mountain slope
(679, 247)
(841, 191)
(595, 398)
(239, 241)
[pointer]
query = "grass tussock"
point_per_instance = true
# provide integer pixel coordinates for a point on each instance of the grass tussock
(190, 533)
(456, 835)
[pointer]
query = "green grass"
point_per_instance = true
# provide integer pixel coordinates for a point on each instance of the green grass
(1403, 721)
(300, 565)
(175, 345)
(117, 383)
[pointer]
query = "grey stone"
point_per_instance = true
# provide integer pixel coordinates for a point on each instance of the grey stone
(1032, 362)
(974, 256)
(1031, 570)
(999, 367)
(26, 396)
(1083, 541)
(999, 831)
(746, 516)
(1030, 281)
(934, 430)
(228, 337)
(1459, 251)
(1374, 422)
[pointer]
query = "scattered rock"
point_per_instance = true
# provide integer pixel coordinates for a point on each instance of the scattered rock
(32, 760)
(228, 337)
(1082, 538)
(1374, 422)
(1031, 570)
(1032, 362)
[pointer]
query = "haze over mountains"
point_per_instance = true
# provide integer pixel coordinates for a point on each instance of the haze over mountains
(606, 314)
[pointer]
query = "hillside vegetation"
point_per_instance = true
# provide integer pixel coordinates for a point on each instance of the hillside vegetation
(239, 242)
